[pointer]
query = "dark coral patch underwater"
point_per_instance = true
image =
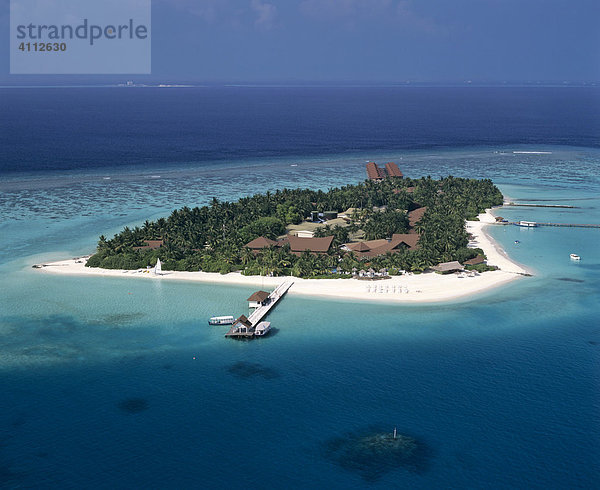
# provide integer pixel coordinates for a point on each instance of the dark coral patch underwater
(373, 453)
(133, 405)
(248, 370)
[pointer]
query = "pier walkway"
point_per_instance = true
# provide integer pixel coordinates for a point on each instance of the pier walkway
(568, 225)
(260, 312)
(245, 327)
(530, 205)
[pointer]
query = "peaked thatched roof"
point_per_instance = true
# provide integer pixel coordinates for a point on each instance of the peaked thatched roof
(361, 247)
(258, 296)
(409, 239)
(260, 242)
(366, 245)
(374, 172)
(372, 248)
(415, 215)
(448, 266)
(243, 320)
(150, 245)
(392, 170)
(317, 245)
(476, 260)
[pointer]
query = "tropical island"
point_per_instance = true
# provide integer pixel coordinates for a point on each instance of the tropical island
(386, 223)
(418, 240)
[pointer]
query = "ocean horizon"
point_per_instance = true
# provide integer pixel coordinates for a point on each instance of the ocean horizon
(116, 382)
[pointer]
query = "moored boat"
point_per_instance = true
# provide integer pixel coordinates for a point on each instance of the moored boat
(221, 320)
(526, 224)
(262, 329)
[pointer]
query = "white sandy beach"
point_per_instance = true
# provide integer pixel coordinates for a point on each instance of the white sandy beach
(428, 287)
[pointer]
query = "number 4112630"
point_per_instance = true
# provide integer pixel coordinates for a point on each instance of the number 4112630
(43, 47)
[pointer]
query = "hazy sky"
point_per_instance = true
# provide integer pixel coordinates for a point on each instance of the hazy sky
(370, 40)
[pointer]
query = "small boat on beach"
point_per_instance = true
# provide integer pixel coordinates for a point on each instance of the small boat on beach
(575, 257)
(221, 320)
(262, 329)
(158, 268)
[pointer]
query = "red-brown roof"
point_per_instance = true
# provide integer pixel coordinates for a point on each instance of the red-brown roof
(260, 242)
(476, 260)
(359, 247)
(258, 296)
(374, 172)
(150, 245)
(366, 245)
(409, 239)
(243, 320)
(415, 215)
(398, 242)
(448, 266)
(372, 248)
(392, 170)
(317, 245)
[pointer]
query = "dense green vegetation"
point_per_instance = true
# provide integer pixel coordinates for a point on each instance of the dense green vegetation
(212, 238)
(385, 223)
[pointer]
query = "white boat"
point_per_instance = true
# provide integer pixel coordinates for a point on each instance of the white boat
(221, 320)
(532, 152)
(575, 257)
(527, 224)
(262, 329)
(158, 267)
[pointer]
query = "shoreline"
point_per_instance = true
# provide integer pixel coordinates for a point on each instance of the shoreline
(418, 288)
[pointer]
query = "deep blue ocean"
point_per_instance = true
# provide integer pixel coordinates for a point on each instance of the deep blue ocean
(82, 128)
(118, 383)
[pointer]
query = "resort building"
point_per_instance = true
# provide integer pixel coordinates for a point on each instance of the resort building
(448, 267)
(242, 325)
(258, 299)
(392, 170)
(373, 248)
(260, 243)
(476, 260)
(415, 216)
(150, 245)
(374, 172)
(314, 245)
(298, 244)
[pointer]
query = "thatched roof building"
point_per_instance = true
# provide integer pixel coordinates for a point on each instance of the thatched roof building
(446, 267)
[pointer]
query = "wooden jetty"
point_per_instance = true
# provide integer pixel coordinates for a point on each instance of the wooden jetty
(571, 225)
(531, 205)
(244, 327)
(566, 225)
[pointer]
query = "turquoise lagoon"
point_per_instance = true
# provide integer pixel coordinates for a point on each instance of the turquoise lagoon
(120, 383)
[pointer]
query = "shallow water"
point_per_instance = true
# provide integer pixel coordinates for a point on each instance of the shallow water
(113, 382)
